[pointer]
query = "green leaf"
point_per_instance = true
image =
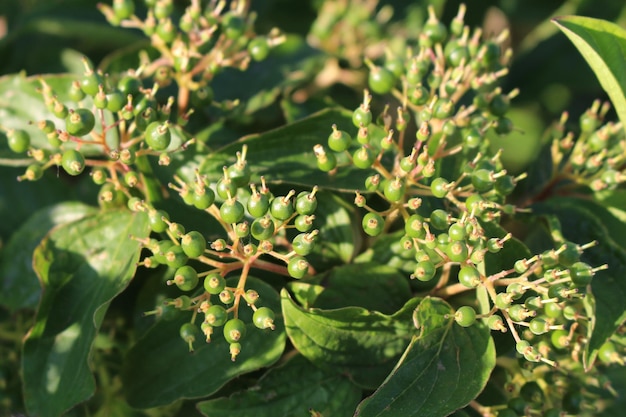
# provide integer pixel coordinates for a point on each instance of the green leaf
(444, 368)
(22, 106)
(581, 225)
(151, 380)
(83, 265)
(19, 286)
(353, 341)
(369, 285)
(338, 233)
(286, 154)
(20, 200)
(603, 45)
(295, 389)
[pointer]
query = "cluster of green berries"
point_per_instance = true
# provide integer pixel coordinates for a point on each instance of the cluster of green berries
(256, 223)
(450, 186)
(103, 123)
(197, 44)
(596, 157)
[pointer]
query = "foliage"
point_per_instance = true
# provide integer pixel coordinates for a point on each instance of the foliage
(213, 211)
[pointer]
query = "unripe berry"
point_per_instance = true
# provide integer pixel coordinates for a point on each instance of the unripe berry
(373, 224)
(73, 162)
(185, 278)
(79, 122)
(214, 283)
(263, 318)
(193, 244)
(465, 316)
(234, 330)
(158, 136)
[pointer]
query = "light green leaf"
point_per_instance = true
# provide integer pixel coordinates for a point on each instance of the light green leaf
(444, 368)
(159, 369)
(353, 341)
(603, 45)
(294, 389)
(19, 286)
(22, 106)
(83, 265)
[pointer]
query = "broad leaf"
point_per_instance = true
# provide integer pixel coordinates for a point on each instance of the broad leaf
(353, 341)
(295, 389)
(83, 265)
(444, 368)
(159, 369)
(581, 225)
(603, 45)
(22, 106)
(369, 285)
(19, 286)
(286, 154)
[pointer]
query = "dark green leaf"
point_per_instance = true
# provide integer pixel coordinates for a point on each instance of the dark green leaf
(83, 265)
(151, 380)
(295, 389)
(444, 368)
(608, 287)
(338, 232)
(286, 154)
(603, 45)
(369, 285)
(353, 341)
(19, 200)
(19, 286)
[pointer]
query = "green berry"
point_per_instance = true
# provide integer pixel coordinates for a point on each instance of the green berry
(175, 257)
(381, 80)
(158, 136)
(539, 326)
(214, 283)
(216, 315)
(394, 190)
(363, 157)
(155, 219)
(297, 267)
(303, 223)
(560, 339)
(469, 276)
(259, 48)
(231, 211)
(457, 251)
(258, 204)
(186, 278)
(188, 332)
(79, 122)
(306, 203)
(204, 199)
(439, 187)
(424, 271)
(263, 318)
(339, 140)
(73, 162)
(193, 244)
(281, 208)
(465, 316)
(434, 32)
(581, 274)
(226, 296)
(262, 228)
(90, 83)
(234, 25)
(373, 224)
(303, 243)
(362, 116)
(234, 330)
(439, 219)
(18, 140)
(608, 353)
(414, 226)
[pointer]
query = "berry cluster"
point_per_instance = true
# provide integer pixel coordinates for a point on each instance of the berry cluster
(596, 158)
(256, 224)
(108, 125)
(448, 190)
(197, 45)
